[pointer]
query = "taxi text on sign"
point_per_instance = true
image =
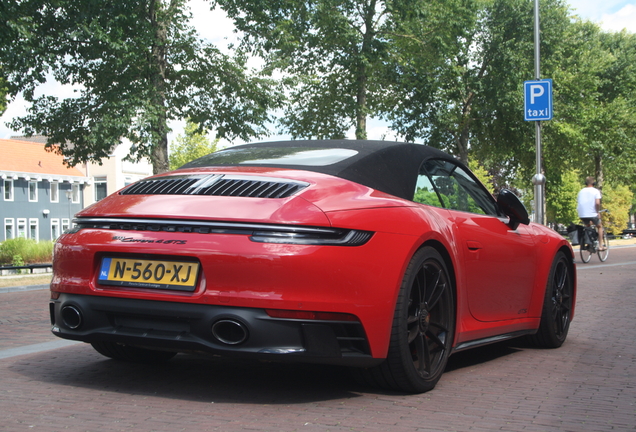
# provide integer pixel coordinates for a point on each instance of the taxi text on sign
(538, 100)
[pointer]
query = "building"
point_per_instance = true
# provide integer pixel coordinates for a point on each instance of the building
(113, 174)
(39, 193)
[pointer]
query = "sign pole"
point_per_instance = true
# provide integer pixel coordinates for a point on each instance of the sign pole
(539, 179)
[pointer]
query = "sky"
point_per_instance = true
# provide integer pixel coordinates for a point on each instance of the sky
(611, 15)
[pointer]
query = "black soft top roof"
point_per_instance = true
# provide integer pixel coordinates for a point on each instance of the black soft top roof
(387, 166)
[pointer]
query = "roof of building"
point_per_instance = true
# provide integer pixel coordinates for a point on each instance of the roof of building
(31, 157)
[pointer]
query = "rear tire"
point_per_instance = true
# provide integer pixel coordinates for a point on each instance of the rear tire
(423, 328)
(557, 305)
(586, 255)
(130, 353)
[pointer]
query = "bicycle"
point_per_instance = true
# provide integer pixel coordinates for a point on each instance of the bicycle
(590, 244)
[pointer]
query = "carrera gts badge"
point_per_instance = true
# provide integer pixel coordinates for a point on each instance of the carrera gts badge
(134, 240)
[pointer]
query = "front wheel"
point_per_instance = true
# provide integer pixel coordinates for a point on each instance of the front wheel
(603, 254)
(423, 328)
(557, 305)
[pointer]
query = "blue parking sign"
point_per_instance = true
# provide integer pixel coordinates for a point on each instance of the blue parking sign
(538, 100)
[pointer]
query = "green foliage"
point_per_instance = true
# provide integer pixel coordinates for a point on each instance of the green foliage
(19, 251)
(618, 200)
(334, 53)
(461, 90)
(480, 172)
(192, 145)
(3, 93)
(136, 64)
(561, 198)
(424, 196)
(17, 260)
(448, 72)
(594, 104)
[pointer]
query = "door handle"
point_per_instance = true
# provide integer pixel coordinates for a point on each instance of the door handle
(473, 245)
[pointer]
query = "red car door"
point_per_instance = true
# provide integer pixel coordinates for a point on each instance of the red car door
(499, 266)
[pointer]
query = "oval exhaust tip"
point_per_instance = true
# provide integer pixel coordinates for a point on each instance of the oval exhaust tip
(230, 332)
(72, 317)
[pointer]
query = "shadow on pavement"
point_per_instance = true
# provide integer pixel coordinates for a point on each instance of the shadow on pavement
(475, 356)
(204, 379)
(190, 377)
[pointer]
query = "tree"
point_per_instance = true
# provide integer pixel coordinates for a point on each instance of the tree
(136, 65)
(481, 173)
(594, 127)
(333, 54)
(561, 207)
(464, 96)
(618, 200)
(193, 144)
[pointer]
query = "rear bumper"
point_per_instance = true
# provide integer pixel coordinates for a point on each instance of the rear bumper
(219, 330)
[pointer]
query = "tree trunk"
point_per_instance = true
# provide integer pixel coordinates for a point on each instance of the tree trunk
(158, 118)
(598, 170)
(361, 104)
(363, 71)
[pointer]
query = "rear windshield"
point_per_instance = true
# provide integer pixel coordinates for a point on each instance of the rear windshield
(296, 156)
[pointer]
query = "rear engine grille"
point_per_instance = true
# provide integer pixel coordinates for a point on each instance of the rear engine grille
(217, 185)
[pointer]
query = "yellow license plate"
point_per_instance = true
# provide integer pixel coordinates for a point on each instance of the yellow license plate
(131, 272)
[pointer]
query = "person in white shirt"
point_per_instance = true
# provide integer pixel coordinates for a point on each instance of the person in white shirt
(589, 206)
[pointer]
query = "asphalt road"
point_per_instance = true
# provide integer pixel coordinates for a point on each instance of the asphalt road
(589, 384)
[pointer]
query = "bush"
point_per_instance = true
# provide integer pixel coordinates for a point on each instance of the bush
(20, 251)
(618, 200)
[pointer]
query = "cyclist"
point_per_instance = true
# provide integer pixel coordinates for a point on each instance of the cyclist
(589, 206)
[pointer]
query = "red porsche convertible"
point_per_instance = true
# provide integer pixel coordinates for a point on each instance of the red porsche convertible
(387, 257)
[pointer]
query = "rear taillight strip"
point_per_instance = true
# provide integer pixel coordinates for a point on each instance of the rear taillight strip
(260, 233)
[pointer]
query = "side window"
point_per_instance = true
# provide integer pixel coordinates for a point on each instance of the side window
(33, 191)
(100, 188)
(55, 229)
(444, 184)
(55, 191)
(22, 228)
(8, 190)
(426, 193)
(9, 229)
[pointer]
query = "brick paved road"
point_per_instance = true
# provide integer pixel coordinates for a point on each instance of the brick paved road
(587, 385)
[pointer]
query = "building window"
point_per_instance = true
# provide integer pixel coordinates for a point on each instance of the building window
(101, 190)
(33, 191)
(33, 230)
(8, 190)
(65, 224)
(55, 192)
(75, 192)
(22, 228)
(55, 229)
(9, 229)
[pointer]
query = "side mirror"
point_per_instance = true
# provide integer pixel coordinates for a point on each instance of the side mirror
(510, 205)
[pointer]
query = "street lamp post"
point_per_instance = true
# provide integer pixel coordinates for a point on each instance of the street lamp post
(539, 179)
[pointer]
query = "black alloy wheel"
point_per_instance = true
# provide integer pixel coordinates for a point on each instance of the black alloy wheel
(557, 305)
(423, 328)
